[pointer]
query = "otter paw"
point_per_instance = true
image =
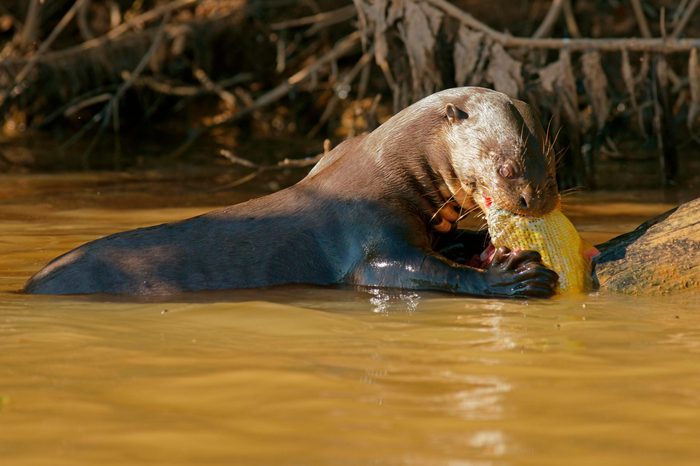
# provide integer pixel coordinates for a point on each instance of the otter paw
(520, 274)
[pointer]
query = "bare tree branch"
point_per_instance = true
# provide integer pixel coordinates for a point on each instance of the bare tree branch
(342, 48)
(327, 18)
(641, 19)
(16, 88)
(678, 30)
(667, 45)
(550, 19)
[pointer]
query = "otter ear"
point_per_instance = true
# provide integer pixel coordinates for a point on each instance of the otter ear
(455, 115)
(531, 117)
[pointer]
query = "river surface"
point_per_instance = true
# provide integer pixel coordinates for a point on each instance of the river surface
(313, 376)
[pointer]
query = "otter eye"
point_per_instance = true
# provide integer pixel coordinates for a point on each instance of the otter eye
(507, 171)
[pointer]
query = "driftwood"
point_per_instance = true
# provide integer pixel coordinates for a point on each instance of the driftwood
(260, 169)
(661, 256)
(342, 48)
(74, 72)
(314, 61)
(661, 44)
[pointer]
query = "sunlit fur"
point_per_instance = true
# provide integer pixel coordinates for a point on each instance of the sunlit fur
(463, 155)
(500, 130)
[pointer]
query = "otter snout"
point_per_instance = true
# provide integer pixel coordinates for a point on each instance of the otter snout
(528, 192)
(499, 153)
(534, 202)
(523, 183)
(526, 198)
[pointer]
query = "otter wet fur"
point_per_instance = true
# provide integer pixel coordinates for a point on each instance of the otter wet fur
(375, 211)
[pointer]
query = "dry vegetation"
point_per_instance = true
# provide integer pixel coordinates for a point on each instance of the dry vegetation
(618, 81)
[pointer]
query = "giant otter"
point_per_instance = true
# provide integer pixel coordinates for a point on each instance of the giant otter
(374, 211)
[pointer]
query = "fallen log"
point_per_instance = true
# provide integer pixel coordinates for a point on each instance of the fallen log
(661, 256)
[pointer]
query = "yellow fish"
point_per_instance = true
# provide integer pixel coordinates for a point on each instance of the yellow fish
(553, 236)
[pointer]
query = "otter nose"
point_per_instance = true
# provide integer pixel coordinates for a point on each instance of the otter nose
(523, 202)
(525, 199)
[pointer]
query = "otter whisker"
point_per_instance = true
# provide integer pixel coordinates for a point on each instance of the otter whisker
(450, 199)
(571, 191)
(461, 208)
(522, 138)
(545, 141)
(556, 137)
(559, 155)
(548, 145)
(441, 207)
(461, 205)
(464, 215)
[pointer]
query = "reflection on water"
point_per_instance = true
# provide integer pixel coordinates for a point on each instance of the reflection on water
(387, 300)
(304, 375)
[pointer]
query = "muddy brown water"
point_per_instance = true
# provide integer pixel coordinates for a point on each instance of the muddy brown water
(307, 375)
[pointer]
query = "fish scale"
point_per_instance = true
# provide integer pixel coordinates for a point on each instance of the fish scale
(553, 236)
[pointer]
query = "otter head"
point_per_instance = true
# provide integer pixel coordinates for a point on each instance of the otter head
(499, 152)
